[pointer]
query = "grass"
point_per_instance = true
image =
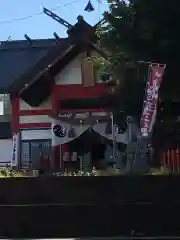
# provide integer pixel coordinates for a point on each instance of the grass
(8, 172)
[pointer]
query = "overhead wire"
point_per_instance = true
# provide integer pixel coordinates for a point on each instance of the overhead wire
(36, 14)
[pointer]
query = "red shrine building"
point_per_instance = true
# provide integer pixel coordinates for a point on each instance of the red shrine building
(54, 92)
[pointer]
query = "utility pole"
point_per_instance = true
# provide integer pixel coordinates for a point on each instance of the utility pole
(113, 137)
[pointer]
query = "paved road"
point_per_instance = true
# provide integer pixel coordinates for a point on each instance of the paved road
(117, 238)
(107, 238)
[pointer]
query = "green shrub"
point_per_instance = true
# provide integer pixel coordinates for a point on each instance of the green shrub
(8, 172)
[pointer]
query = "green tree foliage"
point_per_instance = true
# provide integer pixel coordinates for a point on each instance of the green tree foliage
(142, 30)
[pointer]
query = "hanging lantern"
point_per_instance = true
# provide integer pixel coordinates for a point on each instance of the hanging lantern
(71, 133)
(89, 7)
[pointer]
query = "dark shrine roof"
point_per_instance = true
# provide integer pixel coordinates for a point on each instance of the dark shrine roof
(79, 35)
(26, 68)
(42, 64)
(16, 57)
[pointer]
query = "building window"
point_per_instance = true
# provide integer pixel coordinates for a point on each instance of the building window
(31, 150)
(25, 154)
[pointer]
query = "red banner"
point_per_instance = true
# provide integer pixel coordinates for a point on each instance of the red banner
(156, 73)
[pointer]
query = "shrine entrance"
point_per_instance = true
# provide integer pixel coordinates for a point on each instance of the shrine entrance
(85, 140)
(91, 149)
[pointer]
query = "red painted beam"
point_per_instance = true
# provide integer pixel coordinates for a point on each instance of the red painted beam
(82, 110)
(79, 91)
(32, 112)
(49, 111)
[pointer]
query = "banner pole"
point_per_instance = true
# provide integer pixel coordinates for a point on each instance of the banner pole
(113, 137)
(137, 144)
(149, 111)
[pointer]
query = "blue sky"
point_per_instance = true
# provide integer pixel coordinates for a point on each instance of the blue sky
(42, 26)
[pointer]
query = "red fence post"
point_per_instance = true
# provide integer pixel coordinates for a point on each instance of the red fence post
(168, 159)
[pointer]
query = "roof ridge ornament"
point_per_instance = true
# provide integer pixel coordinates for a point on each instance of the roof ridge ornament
(29, 40)
(56, 18)
(56, 37)
(80, 18)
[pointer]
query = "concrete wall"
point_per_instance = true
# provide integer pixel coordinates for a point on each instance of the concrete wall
(90, 206)
(5, 118)
(5, 104)
(5, 151)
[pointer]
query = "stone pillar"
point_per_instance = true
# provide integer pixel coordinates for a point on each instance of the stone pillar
(141, 161)
(136, 157)
(130, 156)
(56, 155)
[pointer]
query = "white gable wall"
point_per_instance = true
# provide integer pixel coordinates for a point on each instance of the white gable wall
(71, 74)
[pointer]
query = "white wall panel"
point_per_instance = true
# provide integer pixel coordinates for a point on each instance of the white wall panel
(35, 119)
(36, 134)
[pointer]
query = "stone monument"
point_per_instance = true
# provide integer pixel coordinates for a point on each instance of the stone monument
(136, 151)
